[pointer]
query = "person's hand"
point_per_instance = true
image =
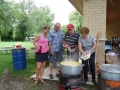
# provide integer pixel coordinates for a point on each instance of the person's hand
(51, 52)
(90, 51)
(66, 46)
(38, 47)
(83, 54)
(72, 51)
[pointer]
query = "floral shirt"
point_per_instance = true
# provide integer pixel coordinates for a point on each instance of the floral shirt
(56, 39)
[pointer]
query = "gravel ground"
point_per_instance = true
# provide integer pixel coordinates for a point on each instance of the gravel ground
(15, 83)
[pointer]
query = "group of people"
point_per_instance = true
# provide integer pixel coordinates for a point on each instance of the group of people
(115, 41)
(49, 47)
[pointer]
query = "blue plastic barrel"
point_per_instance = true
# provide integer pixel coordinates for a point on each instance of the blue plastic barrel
(19, 58)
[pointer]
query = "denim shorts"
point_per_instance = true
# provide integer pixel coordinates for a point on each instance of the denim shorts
(57, 56)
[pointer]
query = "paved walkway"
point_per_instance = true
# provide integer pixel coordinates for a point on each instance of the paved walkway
(46, 74)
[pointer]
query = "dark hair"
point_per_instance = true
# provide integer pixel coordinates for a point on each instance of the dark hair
(46, 27)
(84, 30)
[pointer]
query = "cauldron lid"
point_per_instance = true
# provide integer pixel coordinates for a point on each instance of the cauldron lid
(110, 68)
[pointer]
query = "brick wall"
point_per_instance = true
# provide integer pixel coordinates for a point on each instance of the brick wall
(94, 17)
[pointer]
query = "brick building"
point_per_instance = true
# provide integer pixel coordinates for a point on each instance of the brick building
(100, 16)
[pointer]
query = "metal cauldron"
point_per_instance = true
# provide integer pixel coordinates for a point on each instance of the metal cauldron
(110, 72)
(70, 69)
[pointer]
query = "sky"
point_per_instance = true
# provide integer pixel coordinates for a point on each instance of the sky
(61, 9)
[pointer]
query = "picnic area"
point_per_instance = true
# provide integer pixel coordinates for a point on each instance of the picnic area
(11, 79)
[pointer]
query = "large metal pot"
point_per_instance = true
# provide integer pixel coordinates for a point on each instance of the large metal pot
(110, 72)
(70, 69)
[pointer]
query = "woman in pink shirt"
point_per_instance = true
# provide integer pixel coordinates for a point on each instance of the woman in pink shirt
(41, 53)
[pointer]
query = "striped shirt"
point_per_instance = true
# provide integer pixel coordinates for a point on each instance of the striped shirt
(71, 40)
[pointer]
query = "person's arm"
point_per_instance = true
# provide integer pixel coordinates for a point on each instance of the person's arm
(35, 41)
(49, 43)
(94, 46)
(65, 44)
(80, 48)
(74, 49)
(50, 48)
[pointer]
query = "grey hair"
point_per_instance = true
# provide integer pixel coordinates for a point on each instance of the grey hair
(57, 23)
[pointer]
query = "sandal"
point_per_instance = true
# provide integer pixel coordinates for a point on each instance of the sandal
(36, 82)
(43, 82)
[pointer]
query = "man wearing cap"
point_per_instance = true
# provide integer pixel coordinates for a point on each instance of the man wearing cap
(70, 42)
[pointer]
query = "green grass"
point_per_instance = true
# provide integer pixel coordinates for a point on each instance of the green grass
(6, 62)
(24, 44)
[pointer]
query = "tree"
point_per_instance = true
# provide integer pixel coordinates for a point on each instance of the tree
(38, 18)
(64, 28)
(76, 19)
(9, 18)
(14, 34)
(22, 19)
(6, 16)
(22, 28)
(26, 6)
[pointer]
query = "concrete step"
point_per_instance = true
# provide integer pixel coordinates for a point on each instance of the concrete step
(46, 76)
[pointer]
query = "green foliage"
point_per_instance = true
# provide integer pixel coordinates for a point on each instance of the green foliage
(5, 17)
(14, 34)
(10, 18)
(38, 18)
(22, 19)
(26, 6)
(22, 28)
(64, 28)
(76, 19)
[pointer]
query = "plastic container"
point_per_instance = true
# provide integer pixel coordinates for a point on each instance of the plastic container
(19, 58)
